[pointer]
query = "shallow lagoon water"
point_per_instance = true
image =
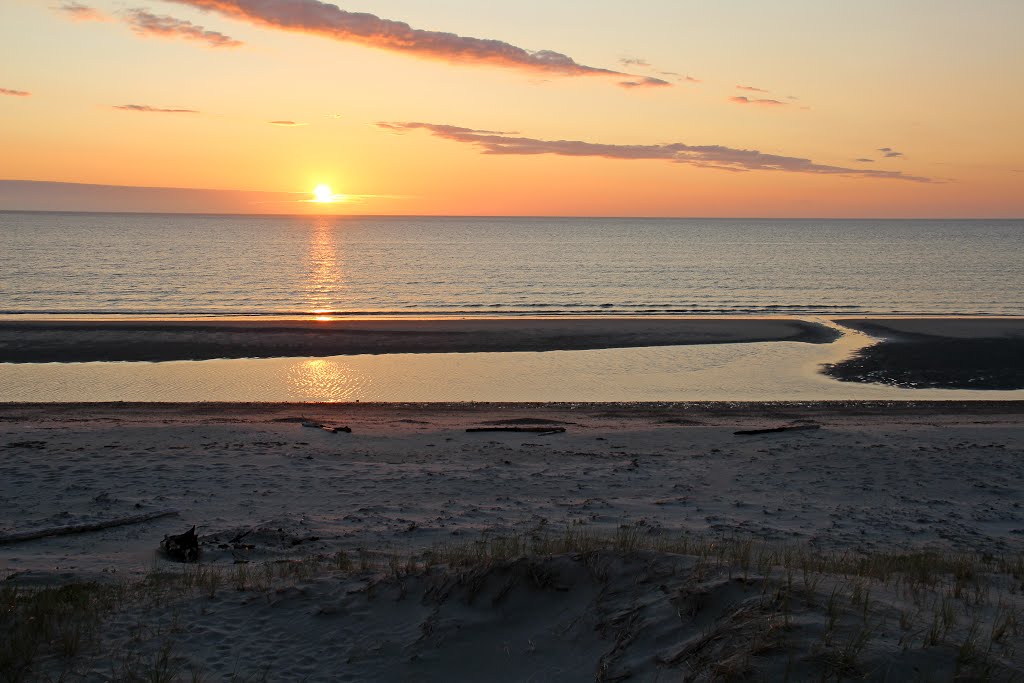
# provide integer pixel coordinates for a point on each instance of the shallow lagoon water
(769, 371)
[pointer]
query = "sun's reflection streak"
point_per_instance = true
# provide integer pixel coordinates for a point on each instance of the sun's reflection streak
(325, 277)
(328, 380)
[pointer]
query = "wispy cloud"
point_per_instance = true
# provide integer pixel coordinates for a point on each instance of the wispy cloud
(630, 62)
(703, 156)
(890, 153)
(320, 18)
(763, 102)
(79, 12)
(156, 110)
(148, 24)
(287, 124)
(750, 88)
(679, 77)
(15, 93)
(865, 160)
(644, 82)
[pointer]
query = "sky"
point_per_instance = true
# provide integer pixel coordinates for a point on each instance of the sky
(731, 108)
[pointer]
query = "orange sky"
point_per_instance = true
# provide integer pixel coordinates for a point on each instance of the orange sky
(673, 108)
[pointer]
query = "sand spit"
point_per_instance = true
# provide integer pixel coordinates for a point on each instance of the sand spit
(945, 353)
(647, 541)
(76, 341)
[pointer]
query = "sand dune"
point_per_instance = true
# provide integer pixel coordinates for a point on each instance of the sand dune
(351, 556)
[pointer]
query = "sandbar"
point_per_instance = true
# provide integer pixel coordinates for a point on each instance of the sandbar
(937, 353)
(82, 341)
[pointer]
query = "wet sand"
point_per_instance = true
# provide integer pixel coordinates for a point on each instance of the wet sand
(942, 353)
(83, 341)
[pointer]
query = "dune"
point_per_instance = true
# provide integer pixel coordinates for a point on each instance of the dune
(646, 541)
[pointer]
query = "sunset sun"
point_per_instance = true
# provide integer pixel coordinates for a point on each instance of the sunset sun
(323, 194)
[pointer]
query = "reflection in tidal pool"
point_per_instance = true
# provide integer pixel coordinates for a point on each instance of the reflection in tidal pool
(773, 371)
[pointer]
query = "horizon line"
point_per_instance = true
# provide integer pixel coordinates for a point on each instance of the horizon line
(537, 216)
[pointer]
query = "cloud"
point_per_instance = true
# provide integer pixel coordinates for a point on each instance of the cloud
(289, 124)
(147, 24)
(15, 93)
(740, 99)
(750, 88)
(79, 12)
(633, 61)
(890, 153)
(680, 77)
(644, 82)
(320, 18)
(702, 156)
(865, 160)
(158, 110)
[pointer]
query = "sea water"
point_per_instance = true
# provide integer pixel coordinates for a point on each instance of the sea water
(129, 265)
(191, 265)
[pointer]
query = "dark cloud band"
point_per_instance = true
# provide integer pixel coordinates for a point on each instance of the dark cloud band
(703, 156)
(313, 16)
(147, 24)
(156, 110)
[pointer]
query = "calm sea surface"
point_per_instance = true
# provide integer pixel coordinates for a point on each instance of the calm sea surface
(252, 265)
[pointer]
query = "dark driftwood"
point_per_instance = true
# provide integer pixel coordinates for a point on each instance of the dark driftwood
(772, 430)
(182, 547)
(82, 528)
(535, 430)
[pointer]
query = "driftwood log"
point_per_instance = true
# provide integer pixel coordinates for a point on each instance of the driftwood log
(20, 536)
(772, 430)
(182, 547)
(533, 430)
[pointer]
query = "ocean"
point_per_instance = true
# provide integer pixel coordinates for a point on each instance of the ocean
(168, 265)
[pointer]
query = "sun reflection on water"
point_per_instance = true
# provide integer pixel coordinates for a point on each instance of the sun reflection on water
(325, 277)
(320, 379)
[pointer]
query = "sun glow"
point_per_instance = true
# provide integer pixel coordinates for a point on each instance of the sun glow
(323, 194)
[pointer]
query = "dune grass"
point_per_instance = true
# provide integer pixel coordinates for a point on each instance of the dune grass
(829, 615)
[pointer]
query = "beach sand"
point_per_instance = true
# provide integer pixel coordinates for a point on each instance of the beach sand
(64, 341)
(874, 479)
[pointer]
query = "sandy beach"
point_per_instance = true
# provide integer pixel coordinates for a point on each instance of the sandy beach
(868, 479)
